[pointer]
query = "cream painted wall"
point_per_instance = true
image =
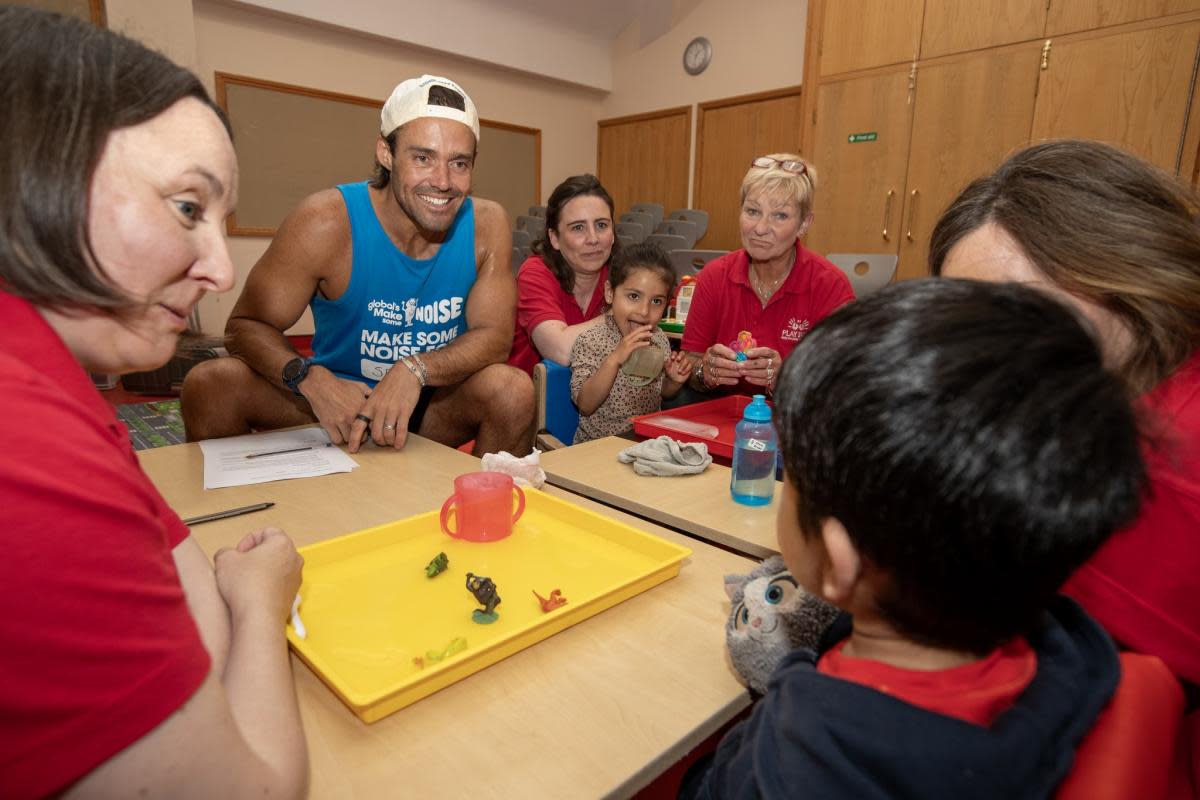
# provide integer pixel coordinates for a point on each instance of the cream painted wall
(165, 25)
(257, 44)
(757, 46)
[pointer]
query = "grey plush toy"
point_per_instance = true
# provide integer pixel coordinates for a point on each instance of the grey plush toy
(771, 615)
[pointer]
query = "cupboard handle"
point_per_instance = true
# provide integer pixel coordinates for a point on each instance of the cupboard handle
(887, 213)
(912, 213)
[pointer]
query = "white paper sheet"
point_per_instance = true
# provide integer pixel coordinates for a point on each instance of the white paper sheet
(311, 454)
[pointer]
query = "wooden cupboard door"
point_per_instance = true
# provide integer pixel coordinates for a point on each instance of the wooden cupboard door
(1130, 89)
(955, 26)
(1068, 16)
(644, 158)
(970, 113)
(858, 34)
(729, 135)
(862, 139)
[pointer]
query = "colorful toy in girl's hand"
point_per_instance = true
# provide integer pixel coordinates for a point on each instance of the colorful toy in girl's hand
(552, 602)
(484, 590)
(437, 566)
(744, 342)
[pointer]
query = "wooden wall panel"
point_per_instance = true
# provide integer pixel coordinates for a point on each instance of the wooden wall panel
(1130, 88)
(644, 158)
(729, 135)
(953, 26)
(860, 34)
(1067, 16)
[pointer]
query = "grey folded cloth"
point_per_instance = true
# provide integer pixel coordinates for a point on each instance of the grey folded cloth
(665, 457)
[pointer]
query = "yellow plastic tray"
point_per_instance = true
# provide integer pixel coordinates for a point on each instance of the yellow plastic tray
(369, 608)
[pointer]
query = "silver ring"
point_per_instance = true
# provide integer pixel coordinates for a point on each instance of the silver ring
(389, 427)
(363, 417)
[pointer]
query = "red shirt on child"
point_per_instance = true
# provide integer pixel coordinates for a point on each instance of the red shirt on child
(978, 692)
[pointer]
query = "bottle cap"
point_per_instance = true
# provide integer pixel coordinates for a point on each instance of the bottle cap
(758, 410)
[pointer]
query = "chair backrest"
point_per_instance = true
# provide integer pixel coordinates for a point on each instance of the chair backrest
(519, 254)
(692, 215)
(535, 225)
(522, 238)
(655, 210)
(680, 227)
(868, 272)
(669, 242)
(645, 220)
(625, 239)
(556, 413)
(537, 211)
(1134, 749)
(690, 262)
(634, 230)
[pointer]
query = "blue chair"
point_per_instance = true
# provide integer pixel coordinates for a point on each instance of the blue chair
(557, 416)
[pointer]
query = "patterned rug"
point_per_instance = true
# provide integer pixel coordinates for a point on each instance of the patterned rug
(154, 424)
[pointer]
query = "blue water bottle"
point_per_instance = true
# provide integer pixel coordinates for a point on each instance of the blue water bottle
(753, 479)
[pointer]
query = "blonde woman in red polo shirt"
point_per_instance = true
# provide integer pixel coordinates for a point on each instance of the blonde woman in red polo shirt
(771, 287)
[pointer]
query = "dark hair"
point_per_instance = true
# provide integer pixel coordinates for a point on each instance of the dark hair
(969, 439)
(565, 192)
(67, 86)
(438, 96)
(1104, 226)
(643, 255)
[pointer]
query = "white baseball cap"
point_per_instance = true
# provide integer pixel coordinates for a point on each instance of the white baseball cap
(410, 100)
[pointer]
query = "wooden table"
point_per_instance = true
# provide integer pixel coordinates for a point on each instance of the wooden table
(597, 710)
(698, 505)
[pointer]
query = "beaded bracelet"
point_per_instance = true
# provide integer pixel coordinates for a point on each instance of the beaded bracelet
(417, 367)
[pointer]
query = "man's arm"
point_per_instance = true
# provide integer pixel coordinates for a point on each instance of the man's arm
(310, 253)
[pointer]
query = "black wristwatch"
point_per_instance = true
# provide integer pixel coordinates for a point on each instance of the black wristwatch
(294, 372)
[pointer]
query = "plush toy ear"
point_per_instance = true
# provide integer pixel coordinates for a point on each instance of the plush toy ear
(775, 564)
(733, 583)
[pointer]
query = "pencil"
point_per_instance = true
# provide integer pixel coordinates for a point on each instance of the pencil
(232, 512)
(289, 450)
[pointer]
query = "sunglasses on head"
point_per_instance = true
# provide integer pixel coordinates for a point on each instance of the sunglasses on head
(766, 162)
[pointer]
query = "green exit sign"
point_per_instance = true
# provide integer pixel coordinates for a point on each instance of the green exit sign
(855, 138)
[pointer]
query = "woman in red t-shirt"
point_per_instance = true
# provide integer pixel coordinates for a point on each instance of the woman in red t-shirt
(132, 665)
(773, 288)
(560, 289)
(1116, 238)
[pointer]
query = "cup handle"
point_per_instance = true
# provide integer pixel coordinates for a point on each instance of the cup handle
(446, 509)
(520, 503)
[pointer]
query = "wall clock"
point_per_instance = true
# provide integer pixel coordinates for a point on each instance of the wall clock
(696, 55)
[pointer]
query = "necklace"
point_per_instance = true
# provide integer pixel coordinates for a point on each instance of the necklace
(765, 289)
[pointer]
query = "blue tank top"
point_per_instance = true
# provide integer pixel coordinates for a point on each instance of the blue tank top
(394, 305)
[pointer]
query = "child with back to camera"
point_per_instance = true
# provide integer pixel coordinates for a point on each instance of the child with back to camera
(625, 366)
(943, 477)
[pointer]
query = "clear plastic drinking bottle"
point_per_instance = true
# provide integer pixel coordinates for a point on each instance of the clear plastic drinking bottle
(752, 481)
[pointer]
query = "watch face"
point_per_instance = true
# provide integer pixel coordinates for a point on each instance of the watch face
(697, 55)
(293, 369)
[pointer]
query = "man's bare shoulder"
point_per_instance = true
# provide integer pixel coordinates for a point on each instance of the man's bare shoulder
(319, 216)
(490, 216)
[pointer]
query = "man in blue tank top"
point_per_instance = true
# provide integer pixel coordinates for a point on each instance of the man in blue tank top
(412, 294)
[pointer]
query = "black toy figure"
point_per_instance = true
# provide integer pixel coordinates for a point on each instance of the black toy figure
(484, 590)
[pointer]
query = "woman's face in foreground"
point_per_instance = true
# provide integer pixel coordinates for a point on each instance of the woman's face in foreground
(989, 253)
(156, 210)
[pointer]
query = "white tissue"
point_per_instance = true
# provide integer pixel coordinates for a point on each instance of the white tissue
(525, 471)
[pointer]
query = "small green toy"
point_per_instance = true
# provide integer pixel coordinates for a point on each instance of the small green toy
(437, 565)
